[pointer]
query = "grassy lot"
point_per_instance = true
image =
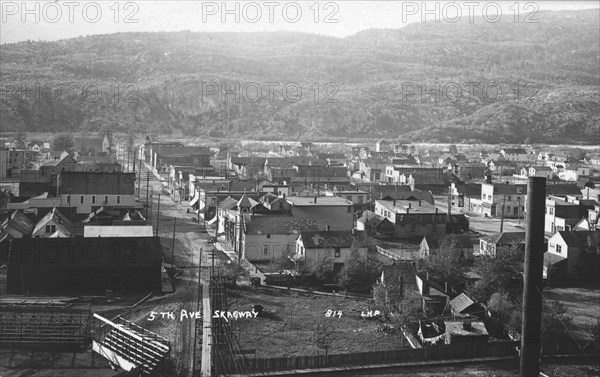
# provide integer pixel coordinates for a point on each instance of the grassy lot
(582, 304)
(290, 319)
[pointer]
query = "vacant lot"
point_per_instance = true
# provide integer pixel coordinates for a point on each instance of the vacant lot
(581, 303)
(288, 326)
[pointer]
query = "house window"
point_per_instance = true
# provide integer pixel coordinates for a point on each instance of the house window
(266, 249)
(558, 249)
(118, 199)
(81, 199)
(337, 252)
(360, 199)
(268, 236)
(93, 199)
(349, 197)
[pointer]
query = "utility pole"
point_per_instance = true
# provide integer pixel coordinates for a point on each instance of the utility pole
(151, 206)
(532, 280)
(147, 191)
(173, 244)
(140, 176)
(502, 218)
(197, 310)
(519, 209)
(158, 215)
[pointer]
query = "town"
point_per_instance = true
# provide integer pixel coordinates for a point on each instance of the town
(331, 254)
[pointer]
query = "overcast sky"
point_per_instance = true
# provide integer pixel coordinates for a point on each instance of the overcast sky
(53, 20)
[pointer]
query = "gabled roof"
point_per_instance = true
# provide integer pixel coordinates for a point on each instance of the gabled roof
(59, 219)
(280, 225)
(228, 203)
(20, 222)
(65, 158)
(462, 240)
(505, 238)
(331, 238)
(461, 302)
(405, 270)
(577, 238)
(514, 150)
(246, 202)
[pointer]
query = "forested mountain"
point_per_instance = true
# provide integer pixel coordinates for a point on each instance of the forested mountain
(519, 81)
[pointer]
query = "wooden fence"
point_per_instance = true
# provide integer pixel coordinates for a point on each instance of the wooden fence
(442, 352)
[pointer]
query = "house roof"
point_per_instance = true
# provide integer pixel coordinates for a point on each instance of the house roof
(98, 183)
(406, 271)
(228, 203)
(65, 158)
(241, 161)
(514, 151)
(409, 206)
(405, 195)
(307, 201)
(245, 201)
(505, 238)
(118, 231)
(434, 241)
(59, 219)
(504, 189)
(577, 238)
(551, 259)
(542, 168)
(332, 238)
(20, 222)
(280, 225)
(461, 302)
(457, 328)
(563, 189)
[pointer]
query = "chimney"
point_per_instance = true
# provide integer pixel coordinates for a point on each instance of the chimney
(436, 210)
(327, 228)
(409, 205)
(315, 199)
(419, 203)
(394, 202)
(467, 325)
(284, 195)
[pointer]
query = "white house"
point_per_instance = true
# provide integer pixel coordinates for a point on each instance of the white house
(53, 222)
(334, 246)
(567, 246)
(268, 238)
(515, 154)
